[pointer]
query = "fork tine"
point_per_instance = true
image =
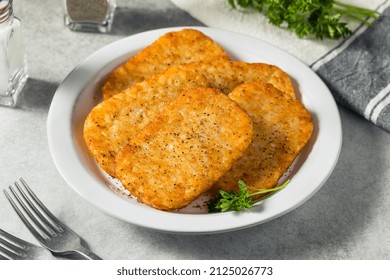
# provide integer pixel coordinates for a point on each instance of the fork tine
(28, 224)
(13, 240)
(32, 211)
(6, 256)
(11, 245)
(36, 207)
(36, 217)
(43, 211)
(9, 249)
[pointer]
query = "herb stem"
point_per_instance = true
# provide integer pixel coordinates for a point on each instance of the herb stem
(321, 18)
(360, 10)
(261, 191)
(353, 16)
(238, 200)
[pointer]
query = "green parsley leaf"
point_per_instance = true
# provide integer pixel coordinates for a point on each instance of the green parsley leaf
(237, 201)
(321, 18)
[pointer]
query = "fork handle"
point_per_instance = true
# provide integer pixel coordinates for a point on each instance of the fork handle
(87, 254)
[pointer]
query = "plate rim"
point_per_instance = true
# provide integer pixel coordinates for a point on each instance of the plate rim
(207, 223)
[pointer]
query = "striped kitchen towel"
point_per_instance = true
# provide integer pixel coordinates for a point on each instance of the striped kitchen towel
(356, 70)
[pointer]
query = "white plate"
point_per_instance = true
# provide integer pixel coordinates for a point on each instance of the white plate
(80, 91)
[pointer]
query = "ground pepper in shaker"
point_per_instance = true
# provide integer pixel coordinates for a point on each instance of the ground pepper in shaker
(13, 66)
(89, 15)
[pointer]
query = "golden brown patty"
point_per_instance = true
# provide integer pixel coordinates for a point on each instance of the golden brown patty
(227, 75)
(173, 48)
(281, 128)
(115, 121)
(185, 149)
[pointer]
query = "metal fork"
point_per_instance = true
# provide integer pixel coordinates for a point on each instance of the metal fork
(47, 229)
(13, 248)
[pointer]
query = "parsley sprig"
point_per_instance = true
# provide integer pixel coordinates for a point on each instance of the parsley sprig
(238, 200)
(321, 18)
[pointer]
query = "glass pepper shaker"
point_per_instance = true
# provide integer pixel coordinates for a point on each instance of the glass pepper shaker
(13, 66)
(89, 15)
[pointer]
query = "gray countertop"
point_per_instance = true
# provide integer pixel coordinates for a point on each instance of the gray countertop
(349, 218)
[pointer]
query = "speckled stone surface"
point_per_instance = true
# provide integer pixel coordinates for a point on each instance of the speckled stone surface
(349, 218)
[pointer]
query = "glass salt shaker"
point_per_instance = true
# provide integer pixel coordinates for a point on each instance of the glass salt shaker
(13, 66)
(89, 15)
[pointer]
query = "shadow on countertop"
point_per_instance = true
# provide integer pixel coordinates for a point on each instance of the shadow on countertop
(36, 95)
(129, 21)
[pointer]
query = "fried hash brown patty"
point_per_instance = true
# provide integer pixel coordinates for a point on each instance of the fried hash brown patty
(115, 121)
(281, 128)
(173, 48)
(185, 149)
